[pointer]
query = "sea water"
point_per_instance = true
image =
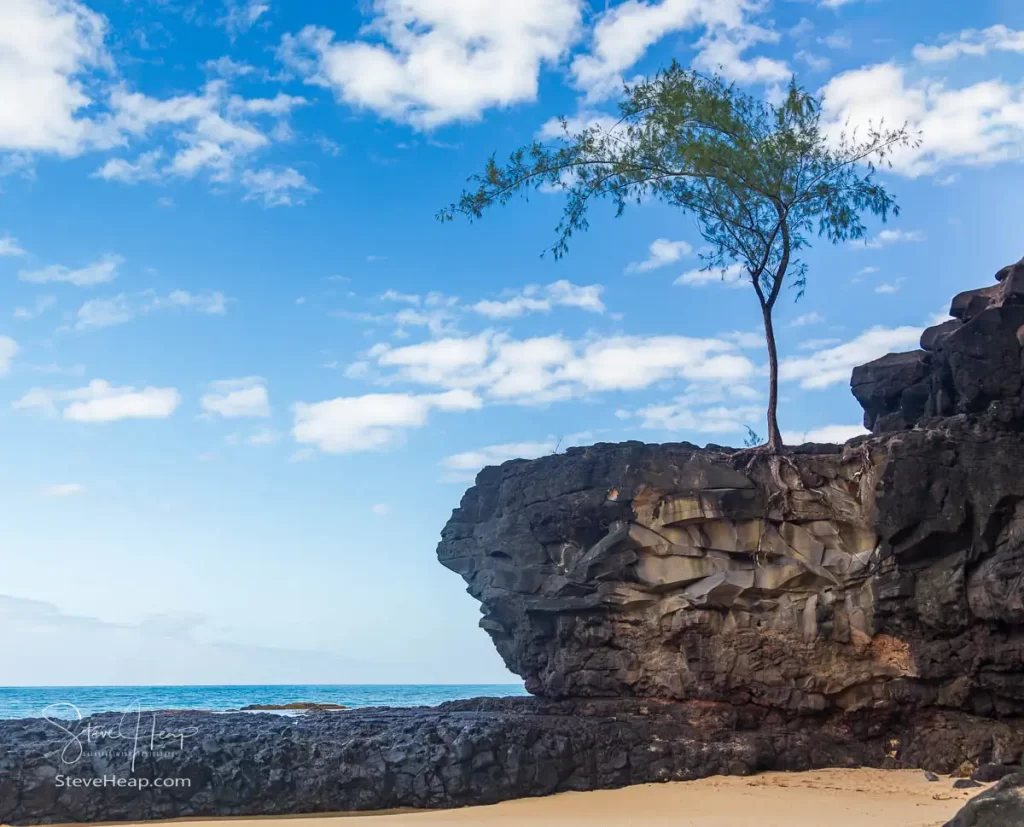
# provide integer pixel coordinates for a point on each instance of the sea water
(72, 701)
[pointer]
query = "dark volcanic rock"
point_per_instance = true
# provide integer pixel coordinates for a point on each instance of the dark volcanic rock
(987, 773)
(467, 752)
(894, 390)
(1002, 806)
(296, 706)
(887, 575)
(968, 365)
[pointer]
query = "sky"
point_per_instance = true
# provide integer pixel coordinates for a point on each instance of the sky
(245, 374)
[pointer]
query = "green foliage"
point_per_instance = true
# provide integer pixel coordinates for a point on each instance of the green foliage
(753, 438)
(761, 179)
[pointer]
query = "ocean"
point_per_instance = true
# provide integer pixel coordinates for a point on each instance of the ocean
(72, 701)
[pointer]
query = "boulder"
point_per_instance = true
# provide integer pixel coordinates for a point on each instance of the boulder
(935, 334)
(893, 390)
(1002, 806)
(971, 364)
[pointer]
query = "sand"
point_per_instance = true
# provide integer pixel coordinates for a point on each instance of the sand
(837, 798)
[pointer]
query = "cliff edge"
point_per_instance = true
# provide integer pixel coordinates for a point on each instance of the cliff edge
(885, 574)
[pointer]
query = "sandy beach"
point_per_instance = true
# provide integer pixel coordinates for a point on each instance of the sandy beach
(840, 798)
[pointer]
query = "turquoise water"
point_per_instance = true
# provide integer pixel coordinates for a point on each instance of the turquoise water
(69, 701)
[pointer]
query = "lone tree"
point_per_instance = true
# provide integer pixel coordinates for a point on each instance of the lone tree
(759, 178)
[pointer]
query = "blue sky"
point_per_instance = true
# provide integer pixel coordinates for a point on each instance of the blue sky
(245, 375)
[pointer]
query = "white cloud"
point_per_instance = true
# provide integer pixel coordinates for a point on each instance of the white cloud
(631, 363)
(464, 467)
(534, 299)
(746, 338)
(438, 321)
(813, 317)
(211, 303)
(104, 313)
(826, 433)
(8, 350)
(835, 364)
(834, 4)
(818, 344)
(100, 401)
(9, 246)
(48, 48)
(512, 308)
(435, 311)
(61, 490)
(584, 119)
(277, 188)
(235, 398)
(722, 53)
(241, 15)
(128, 172)
(213, 133)
(551, 368)
(732, 276)
(230, 69)
(800, 29)
(442, 362)
(432, 62)
(981, 124)
(123, 308)
(706, 407)
(564, 294)
(41, 305)
(973, 43)
(372, 422)
(818, 64)
(394, 296)
(624, 32)
(381, 510)
(867, 271)
(683, 417)
(889, 286)
(99, 272)
(836, 40)
(662, 252)
(888, 237)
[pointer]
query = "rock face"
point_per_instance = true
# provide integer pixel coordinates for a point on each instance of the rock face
(968, 365)
(467, 752)
(887, 574)
(669, 572)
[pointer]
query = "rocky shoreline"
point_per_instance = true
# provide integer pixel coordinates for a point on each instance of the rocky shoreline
(461, 753)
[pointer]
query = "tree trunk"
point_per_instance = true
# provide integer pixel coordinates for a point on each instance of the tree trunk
(774, 436)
